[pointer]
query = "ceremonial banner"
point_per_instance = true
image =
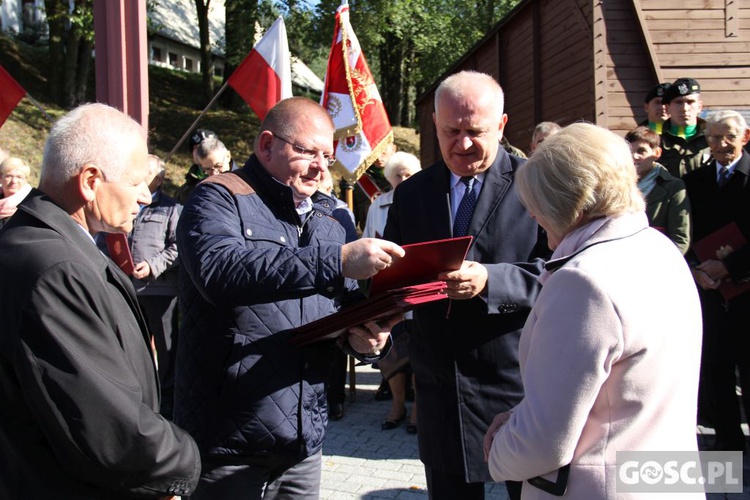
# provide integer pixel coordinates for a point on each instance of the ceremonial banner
(265, 76)
(351, 98)
(10, 95)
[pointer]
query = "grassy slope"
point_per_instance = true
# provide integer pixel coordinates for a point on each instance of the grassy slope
(175, 103)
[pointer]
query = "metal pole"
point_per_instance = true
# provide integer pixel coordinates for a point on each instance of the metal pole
(190, 130)
(36, 103)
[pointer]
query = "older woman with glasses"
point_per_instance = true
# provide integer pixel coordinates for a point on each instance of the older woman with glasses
(610, 353)
(213, 157)
(14, 174)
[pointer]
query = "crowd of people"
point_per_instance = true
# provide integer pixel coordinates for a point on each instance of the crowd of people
(599, 308)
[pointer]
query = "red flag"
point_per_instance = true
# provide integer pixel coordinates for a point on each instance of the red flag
(368, 186)
(352, 99)
(264, 77)
(10, 94)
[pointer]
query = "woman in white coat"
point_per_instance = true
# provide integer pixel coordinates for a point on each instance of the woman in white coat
(610, 353)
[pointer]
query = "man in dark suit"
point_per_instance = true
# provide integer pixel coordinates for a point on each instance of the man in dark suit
(719, 194)
(464, 351)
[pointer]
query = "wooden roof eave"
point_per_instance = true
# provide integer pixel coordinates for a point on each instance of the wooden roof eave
(654, 65)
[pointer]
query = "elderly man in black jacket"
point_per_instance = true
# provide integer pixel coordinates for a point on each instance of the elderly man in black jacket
(719, 195)
(80, 413)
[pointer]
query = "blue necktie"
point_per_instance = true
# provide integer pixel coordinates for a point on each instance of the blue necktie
(724, 176)
(465, 209)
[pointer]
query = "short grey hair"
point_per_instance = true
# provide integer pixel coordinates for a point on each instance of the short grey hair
(91, 133)
(455, 84)
(157, 167)
(401, 159)
(208, 146)
(582, 173)
(735, 120)
(546, 129)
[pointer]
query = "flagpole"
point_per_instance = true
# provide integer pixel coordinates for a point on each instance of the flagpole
(190, 130)
(36, 103)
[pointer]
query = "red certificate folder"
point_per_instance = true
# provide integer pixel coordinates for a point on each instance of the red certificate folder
(404, 285)
(706, 249)
(119, 252)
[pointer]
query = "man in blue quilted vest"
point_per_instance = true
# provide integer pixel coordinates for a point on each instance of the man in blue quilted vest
(261, 255)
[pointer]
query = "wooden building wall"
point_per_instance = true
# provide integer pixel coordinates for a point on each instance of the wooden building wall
(708, 40)
(572, 60)
(542, 56)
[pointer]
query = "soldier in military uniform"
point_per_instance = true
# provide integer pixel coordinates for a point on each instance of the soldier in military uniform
(683, 142)
(655, 108)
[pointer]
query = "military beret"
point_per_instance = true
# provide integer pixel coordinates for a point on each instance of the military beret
(657, 91)
(198, 136)
(680, 88)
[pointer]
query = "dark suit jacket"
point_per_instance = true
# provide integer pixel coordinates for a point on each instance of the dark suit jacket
(713, 207)
(77, 380)
(465, 353)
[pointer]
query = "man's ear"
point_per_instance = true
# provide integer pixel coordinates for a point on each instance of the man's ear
(503, 122)
(265, 145)
(89, 180)
(746, 136)
(501, 127)
(657, 152)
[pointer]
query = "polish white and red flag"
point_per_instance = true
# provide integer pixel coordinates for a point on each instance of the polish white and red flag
(11, 94)
(351, 97)
(265, 76)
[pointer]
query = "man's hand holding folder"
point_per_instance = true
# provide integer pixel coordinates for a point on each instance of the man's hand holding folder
(465, 283)
(406, 283)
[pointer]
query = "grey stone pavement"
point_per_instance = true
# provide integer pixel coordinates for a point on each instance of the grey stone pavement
(361, 461)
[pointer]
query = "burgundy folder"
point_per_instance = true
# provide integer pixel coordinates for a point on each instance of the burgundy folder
(407, 283)
(706, 249)
(119, 251)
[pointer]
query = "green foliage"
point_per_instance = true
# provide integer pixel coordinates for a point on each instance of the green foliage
(410, 43)
(82, 20)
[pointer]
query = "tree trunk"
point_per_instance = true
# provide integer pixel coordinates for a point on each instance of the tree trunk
(70, 46)
(207, 67)
(56, 18)
(71, 68)
(406, 89)
(84, 71)
(240, 32)
(391, 62)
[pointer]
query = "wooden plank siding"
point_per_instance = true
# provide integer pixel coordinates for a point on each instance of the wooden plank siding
(595, 60)
(520, 73)
(696, 39)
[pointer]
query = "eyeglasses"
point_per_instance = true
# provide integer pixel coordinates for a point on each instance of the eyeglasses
(310, 154)
(728, 138)
(9, 177)
(219, 167)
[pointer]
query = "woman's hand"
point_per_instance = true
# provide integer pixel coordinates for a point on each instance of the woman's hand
(499, 420)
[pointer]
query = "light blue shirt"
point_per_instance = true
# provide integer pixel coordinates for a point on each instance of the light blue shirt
(730, 167)
(458, 189)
